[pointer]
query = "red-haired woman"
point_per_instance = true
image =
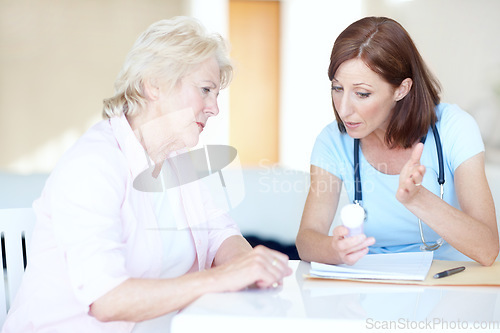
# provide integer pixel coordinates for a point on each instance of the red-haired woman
(394, 143)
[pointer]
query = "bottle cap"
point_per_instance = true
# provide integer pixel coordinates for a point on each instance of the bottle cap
(353, 216)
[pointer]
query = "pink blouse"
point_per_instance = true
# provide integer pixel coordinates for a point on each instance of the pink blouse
(94, 231)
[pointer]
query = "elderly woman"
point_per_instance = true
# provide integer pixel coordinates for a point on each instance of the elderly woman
(106, 255)
(390, 131)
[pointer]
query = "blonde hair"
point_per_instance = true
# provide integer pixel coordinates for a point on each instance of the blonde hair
(166, 52)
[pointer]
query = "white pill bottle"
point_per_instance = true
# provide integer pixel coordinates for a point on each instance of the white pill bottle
(353, 217)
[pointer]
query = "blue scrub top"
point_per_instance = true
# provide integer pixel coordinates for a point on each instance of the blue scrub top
(394, 227)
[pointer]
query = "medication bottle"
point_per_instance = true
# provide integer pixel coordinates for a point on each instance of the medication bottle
(352, 217)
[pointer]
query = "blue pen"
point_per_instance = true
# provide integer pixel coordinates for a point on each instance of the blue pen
(449, 272)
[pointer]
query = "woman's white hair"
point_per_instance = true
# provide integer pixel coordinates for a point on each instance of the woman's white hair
(166, 52)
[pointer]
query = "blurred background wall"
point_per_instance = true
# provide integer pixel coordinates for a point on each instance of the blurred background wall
(59, 59)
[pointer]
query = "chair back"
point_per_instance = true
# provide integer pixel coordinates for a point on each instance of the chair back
(16, 226)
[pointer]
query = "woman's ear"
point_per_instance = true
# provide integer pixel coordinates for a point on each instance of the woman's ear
(151, 89)
(403, 89)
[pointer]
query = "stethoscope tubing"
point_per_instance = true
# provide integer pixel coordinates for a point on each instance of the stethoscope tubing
(358, 195)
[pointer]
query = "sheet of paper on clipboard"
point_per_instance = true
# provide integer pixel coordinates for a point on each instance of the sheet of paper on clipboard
(388, 266)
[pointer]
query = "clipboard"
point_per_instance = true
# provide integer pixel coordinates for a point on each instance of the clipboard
(474, 275)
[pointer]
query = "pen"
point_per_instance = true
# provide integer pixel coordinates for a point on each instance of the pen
(449, 272)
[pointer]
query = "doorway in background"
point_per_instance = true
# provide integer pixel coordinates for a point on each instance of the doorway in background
(254, 93)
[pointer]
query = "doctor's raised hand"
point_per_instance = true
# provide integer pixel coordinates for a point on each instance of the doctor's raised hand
(415, 164)
(412, 174)
(106, 255)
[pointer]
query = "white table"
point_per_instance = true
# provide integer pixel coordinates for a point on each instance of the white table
(306, 305)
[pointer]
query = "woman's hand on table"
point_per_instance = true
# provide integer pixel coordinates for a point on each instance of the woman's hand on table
(261, 267)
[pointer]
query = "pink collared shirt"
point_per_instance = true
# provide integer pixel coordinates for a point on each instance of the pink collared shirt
(94, 231)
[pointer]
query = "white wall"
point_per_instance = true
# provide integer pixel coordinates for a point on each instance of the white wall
(309, 28)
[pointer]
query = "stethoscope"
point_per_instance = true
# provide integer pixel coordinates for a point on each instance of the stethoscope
(358, 196)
